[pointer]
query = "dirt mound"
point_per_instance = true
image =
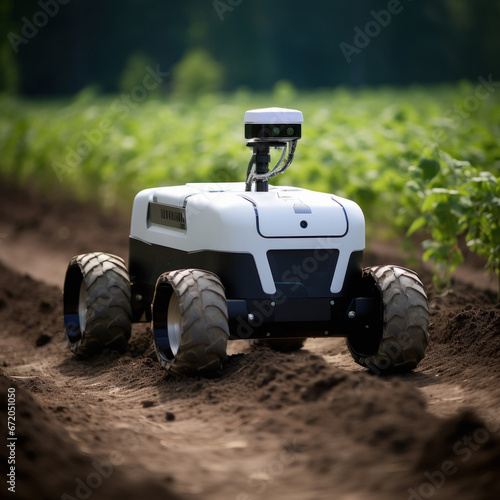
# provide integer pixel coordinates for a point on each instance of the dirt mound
(322, 398)
(29, 308)
(61, 222)
(48, 465)
(394, 415)
(472, 330)
(460, 295)
(461, 457)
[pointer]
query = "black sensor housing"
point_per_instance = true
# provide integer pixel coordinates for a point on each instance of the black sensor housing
(269, 131)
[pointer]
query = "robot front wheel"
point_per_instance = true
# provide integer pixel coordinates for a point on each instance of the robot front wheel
(403, 339)
(190, 323)
(96, 304)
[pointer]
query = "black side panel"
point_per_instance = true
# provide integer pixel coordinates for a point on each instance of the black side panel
(237, 271)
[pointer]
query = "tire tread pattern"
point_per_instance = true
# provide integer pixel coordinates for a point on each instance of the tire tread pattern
(204, 323)
(405, 321)
(108, 304)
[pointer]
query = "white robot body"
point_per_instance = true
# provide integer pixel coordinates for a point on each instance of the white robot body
(225, 218)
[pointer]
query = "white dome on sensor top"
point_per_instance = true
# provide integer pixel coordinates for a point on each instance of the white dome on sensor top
(274, 116)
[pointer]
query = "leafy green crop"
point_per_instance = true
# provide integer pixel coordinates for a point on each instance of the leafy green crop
(448, 198)
(482, 219)
(435, 199)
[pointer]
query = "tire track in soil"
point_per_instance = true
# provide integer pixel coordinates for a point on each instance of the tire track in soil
(311, 424)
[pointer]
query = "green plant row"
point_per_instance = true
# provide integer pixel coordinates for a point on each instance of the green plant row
(447, 198)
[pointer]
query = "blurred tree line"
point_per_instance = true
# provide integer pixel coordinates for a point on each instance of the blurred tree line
(58, 47)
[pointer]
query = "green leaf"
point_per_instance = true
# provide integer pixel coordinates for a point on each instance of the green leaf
(456, 259)
(429, 167)
(428, 255)
(416, 225)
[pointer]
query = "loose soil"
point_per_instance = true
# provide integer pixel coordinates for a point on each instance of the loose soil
(306, 425)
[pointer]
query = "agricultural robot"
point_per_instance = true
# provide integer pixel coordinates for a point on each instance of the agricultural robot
(274, 265)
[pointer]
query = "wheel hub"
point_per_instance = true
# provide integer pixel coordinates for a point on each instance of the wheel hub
(82, 307)
(174, 324)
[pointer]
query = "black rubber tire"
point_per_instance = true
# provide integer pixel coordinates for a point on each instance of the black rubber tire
(405, 321)
(98, 282)
(190, 322)
(280, 345)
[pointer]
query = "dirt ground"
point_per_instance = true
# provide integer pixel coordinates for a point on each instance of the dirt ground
(300, 426)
